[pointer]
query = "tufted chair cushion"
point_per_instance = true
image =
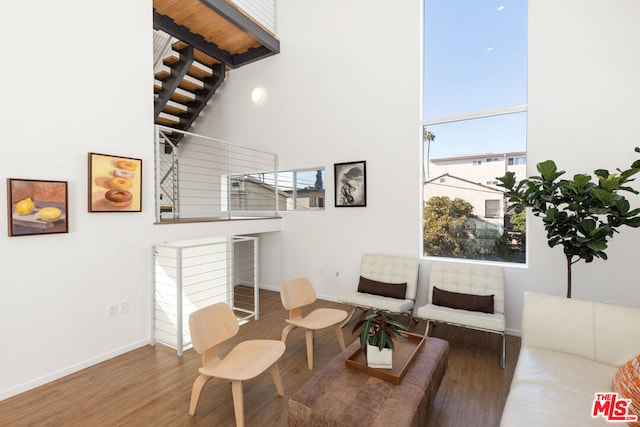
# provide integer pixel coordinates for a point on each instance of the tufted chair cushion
(388, 269)
(475, 279)
(467, 278)
(392, 269)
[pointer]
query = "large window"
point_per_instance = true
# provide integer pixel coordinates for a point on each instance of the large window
(474, 127)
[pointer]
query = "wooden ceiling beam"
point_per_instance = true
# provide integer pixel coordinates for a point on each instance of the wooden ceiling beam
(252, 55)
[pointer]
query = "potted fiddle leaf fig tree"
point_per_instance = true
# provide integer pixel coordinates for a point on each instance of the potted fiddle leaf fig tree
(580, 214)
(376, 337)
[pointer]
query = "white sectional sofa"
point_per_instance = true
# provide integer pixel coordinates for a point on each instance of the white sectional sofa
(571, 349)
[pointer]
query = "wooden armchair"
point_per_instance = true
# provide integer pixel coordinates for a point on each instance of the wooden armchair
(215, 324)
(298, 293)
(466, 295)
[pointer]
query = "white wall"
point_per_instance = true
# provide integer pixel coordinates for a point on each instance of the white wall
(345, 87)
(77, 78)
(583, 93)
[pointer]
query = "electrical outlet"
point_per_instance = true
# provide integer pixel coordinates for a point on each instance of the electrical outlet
(112, 310)
(124, 307)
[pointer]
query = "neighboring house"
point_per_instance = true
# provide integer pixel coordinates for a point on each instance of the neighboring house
(250, 194)
(487, 202)
(305, 199)
(480, 168)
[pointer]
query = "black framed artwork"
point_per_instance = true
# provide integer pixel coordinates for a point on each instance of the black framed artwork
(350, 184)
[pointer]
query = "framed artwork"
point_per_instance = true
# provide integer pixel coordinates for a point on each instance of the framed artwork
(37, 207)
(350, 184)
(115, 183)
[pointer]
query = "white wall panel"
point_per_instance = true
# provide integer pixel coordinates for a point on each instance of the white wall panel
(262, 11)
(345, 87)
(93, 97)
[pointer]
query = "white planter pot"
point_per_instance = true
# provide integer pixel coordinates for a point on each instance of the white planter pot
(381, 359)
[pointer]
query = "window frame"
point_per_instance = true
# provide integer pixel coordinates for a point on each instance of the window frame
(515, 109)
(294, 187)
(465, 113)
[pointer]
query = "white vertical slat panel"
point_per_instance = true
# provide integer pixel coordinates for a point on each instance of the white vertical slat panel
(263, 11)
(190, 275)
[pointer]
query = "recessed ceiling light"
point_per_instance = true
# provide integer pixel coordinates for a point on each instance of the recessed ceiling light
(258, 95)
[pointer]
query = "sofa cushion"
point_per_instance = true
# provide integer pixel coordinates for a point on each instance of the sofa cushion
(563, 371)
(391, 290)
(542, 405)
(558, 323)
(626, 383)
(554, 388)
(482, 303)
(615, 345)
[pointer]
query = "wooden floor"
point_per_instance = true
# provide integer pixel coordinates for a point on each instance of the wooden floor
(151, 386)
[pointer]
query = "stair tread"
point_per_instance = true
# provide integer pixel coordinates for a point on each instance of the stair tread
(183, 96)
(173, 107)
(167, 119)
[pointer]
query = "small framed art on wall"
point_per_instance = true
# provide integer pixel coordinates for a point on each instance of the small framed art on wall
(37, 207)
(115, 183)
(350, 184)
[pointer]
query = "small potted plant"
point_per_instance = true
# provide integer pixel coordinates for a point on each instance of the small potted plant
(376, 337)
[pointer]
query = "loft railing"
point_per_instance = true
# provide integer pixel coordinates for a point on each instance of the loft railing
(189, 275)
(204, 178)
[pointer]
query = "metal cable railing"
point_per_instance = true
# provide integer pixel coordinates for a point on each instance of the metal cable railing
(206, 178)
(189, 275)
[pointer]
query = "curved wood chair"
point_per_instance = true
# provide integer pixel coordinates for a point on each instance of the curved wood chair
(297, 293)
(215, 324)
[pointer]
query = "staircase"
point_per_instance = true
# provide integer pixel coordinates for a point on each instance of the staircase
(195, 43)
(204, 39)
(185, 80)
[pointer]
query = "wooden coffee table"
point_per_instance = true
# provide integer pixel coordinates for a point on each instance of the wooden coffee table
(340, 396)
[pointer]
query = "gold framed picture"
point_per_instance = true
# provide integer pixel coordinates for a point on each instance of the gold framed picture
(115, 183)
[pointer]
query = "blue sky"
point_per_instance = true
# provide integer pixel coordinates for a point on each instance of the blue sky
(475, 60)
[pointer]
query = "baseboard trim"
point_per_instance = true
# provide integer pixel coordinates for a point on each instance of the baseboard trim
(29, 385)
(277, 289)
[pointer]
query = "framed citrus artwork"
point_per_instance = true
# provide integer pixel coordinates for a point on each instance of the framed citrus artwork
(37, 207)
(115, 183)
